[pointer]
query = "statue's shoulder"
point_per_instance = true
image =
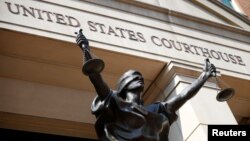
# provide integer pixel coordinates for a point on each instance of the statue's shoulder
(98, 104)
(162, 108)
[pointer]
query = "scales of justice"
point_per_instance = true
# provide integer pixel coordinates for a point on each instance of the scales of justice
(91, 65)
(120, 114)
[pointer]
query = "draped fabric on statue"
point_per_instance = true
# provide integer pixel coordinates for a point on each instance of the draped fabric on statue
(124, 121)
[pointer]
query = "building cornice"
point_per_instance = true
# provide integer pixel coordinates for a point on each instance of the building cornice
(235, 13)
(232, 31)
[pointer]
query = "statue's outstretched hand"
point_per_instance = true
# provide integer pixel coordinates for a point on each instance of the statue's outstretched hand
(209, 68)
(82, 41)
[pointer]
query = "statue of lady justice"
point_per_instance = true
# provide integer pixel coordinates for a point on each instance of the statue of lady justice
(120, 114)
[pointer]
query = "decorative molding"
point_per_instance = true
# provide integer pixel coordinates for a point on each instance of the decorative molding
(46, 125)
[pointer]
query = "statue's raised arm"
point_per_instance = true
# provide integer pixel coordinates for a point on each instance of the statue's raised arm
(92, 67)
(190, 91)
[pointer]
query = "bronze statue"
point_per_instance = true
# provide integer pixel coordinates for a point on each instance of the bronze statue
(120, 114)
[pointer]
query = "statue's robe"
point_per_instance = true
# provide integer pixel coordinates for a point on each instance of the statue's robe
(118, 120)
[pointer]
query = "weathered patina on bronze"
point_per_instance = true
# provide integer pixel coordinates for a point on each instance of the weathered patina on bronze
(120, 114)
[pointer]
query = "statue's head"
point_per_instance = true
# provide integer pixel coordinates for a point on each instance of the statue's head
(131, 85)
